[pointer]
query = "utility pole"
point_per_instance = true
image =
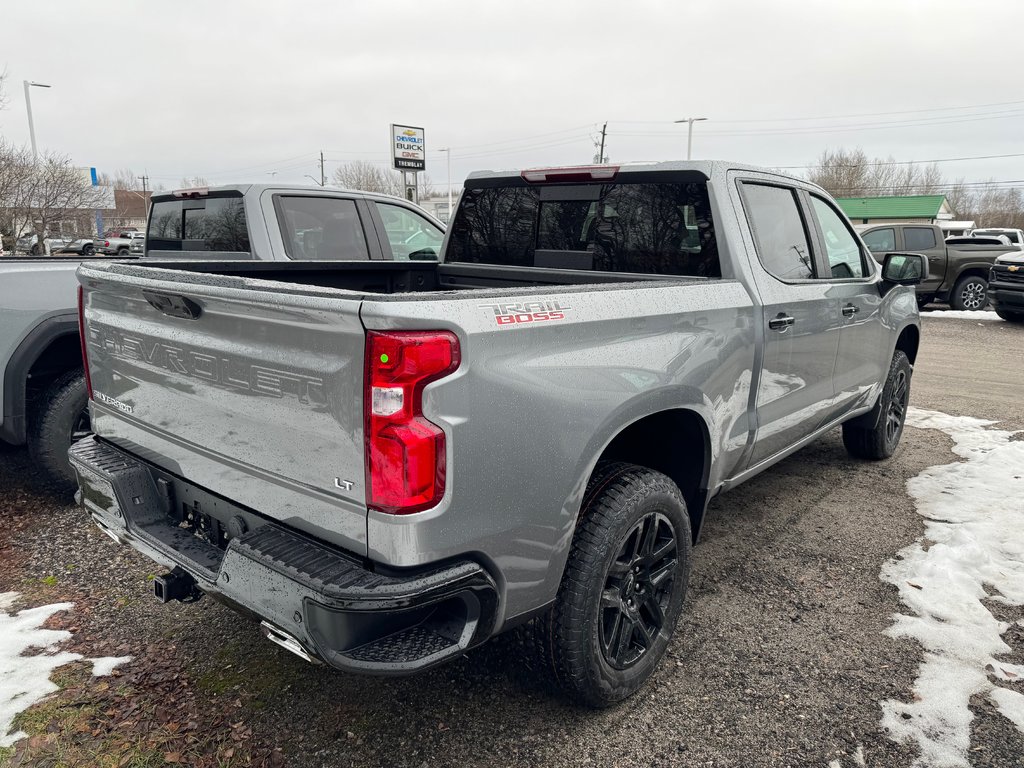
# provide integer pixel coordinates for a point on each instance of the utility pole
(323, 179)
(448, 154)
(600, 154)
(689, 132)
(144, 179)
(28, 106)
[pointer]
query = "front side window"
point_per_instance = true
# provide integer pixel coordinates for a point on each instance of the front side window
(918, 238)
(321, 229)
(845, 259)
(411, 236)
(779, 233)
(646, 228)
(880, 240)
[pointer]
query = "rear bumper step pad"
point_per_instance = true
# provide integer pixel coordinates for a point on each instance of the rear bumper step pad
(332, 604)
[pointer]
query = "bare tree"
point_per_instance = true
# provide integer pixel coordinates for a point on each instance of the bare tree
(849, 173)
(123, 178)
(187, 182)
(52, 192)
(370, 177)
(4, 99)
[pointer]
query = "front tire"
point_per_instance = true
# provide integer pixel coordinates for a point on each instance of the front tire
(876, 434)
(61, 418)
(89, 250)
(623, 587)
(970, 292)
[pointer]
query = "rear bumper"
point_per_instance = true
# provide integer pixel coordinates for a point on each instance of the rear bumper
(313, 599)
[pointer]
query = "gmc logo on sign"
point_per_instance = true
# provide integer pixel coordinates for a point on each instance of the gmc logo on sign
(520, 313)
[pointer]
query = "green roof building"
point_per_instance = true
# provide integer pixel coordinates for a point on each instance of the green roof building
(909, 209)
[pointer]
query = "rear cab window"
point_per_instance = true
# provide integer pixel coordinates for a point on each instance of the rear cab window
(213, 222)
(649, 227)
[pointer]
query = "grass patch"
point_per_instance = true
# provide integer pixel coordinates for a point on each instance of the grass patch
(50, 581)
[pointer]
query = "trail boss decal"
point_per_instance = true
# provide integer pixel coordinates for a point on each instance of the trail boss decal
(512, 313)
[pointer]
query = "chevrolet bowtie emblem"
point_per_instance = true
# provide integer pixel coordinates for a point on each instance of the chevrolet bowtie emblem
(1012, 268)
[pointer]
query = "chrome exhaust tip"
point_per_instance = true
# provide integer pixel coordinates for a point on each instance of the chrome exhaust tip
(280, 637)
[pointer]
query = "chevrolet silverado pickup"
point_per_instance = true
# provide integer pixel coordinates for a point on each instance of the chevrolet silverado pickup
(389, 463)
(958, 267)
(1006, 287)
(42, 387)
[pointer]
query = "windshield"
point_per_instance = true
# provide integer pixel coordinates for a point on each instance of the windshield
(648, 228)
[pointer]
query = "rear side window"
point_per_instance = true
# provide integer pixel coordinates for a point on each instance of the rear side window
(214, 223)
(779, 233)
(918, 238)
(880, 240)
(321, 229)
(646, 228)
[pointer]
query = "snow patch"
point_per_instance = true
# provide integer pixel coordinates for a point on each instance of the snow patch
(964, 314)
(974, 511)
(25, 678)
(104, 666)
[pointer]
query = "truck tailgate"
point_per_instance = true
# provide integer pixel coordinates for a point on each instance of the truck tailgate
(253, 395)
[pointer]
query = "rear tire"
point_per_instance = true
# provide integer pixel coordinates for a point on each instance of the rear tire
(61, 417)
(970, 292)
(1012, 317)
(623, 587)
(876, 434)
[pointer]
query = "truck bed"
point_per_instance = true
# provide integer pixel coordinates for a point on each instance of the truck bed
(378, 279)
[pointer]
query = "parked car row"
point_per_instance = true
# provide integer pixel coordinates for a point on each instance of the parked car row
(958, 267)
(42, 386)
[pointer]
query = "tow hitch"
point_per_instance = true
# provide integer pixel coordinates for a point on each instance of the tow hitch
(176, 585)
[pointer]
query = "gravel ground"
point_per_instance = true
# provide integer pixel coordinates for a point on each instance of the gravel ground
(779, 660)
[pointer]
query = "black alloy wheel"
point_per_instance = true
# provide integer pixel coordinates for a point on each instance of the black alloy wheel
(637, 591)
(897, 411)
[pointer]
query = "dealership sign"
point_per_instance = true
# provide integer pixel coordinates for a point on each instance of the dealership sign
(408, 148)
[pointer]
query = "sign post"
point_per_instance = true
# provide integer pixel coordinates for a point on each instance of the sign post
(408, 155)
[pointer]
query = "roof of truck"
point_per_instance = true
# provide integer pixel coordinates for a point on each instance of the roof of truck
(247, 189)
(705, 167)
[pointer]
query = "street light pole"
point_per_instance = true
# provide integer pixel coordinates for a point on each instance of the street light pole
(28, 106)
(448, 153)
(689, 132)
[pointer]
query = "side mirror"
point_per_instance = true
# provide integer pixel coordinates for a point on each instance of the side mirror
(904, 268)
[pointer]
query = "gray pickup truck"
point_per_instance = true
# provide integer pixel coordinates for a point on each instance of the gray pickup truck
(42, 387)
(958, 268)
(389, 463)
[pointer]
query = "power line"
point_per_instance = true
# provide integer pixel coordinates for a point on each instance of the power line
(905, 162)
(839, 117)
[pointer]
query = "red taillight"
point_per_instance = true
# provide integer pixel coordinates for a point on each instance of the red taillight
(571, 173)
(405, 453)
(82, 338)
(106, 243)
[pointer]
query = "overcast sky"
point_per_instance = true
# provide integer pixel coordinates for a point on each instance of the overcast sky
(234, 90)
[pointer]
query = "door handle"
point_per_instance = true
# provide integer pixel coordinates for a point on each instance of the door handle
(780, 322)
(850, 310)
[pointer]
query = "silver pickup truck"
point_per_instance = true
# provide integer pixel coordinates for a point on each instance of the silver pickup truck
(42, 387)
(389, 463)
